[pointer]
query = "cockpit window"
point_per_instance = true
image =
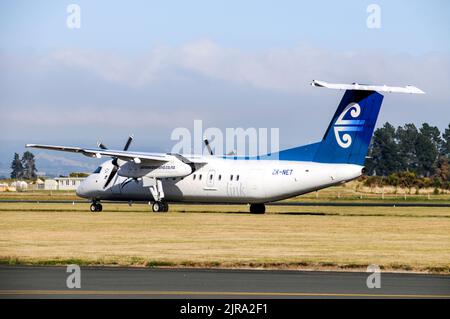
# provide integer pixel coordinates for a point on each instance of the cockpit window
(97, 170)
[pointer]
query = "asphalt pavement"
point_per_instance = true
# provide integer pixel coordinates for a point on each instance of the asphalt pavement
(116, 282)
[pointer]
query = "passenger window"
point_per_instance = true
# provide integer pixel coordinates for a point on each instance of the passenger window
(220, 177)
(194, 177)
(200, 177)
(231, 177)
(210, 177)
(237, 177)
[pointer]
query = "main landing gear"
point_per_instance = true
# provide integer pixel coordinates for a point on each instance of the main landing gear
(257, 208)
(160, 207)
(96, 207)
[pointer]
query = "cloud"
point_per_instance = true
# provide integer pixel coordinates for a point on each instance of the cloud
(90, 116)
(62, 161)
(85, 94)
(108, 66)
(285, 70)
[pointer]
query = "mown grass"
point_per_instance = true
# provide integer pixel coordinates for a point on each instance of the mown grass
(347, 238)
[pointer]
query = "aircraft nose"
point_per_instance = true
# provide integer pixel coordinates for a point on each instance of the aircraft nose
(82, 190)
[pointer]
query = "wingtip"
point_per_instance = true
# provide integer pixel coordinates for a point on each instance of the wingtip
(414, 89)
(317, 83)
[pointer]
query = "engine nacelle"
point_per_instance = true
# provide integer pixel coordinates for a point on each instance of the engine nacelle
(167, 169)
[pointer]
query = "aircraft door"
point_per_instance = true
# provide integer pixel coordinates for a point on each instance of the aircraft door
(255, 182)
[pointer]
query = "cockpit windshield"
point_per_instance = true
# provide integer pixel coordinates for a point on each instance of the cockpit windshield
(97, 170)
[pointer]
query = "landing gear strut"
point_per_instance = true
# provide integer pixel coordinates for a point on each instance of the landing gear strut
(96, 207)
(158, 194)
(160, 206)
(257, 208)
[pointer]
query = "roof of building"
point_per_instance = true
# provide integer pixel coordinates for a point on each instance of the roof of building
(69, 178)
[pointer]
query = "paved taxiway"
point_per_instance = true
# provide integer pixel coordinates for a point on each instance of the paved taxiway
(110, 282)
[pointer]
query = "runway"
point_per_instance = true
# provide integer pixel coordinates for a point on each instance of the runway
(112, 282)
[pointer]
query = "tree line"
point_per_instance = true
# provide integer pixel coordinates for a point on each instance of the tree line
(25, 167)
(410, 157)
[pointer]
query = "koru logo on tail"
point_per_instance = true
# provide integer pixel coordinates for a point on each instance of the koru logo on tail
(342, 125)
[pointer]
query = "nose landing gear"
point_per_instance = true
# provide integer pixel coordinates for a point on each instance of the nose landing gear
(159, 205)
(96, 207)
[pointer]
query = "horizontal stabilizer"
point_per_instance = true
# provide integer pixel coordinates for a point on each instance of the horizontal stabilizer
(363, 87)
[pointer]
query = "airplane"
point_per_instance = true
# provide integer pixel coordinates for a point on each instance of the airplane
(160, 178)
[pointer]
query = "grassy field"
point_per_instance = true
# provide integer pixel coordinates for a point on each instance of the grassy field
(407, 239)
(40, 195)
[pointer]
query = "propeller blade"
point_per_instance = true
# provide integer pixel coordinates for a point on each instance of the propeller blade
(115, 160)
(205, 140)
(101, 145)
(127, 144)
(111, 176)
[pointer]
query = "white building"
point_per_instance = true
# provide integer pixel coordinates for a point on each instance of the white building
(63, 183)
(19, 186)
(50, 184)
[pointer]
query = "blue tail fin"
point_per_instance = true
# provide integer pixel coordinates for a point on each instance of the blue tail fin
(348, 136)
(350, 131)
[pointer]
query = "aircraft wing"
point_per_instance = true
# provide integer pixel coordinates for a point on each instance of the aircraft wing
(98, 152)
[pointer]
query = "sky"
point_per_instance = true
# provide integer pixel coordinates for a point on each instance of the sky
(149, 67)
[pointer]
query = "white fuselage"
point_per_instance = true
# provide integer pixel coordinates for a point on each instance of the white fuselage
(225, 181)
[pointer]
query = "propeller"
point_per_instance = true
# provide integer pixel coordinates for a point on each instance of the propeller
(127, 144)
(115, 160)
(102, 146)
(205, 140)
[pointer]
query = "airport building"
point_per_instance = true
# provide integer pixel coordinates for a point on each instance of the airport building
(57, 183)
(62, 183)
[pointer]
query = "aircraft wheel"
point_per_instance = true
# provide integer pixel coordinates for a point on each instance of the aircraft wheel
(158, 207)
(96, 207)
(257, 208)
(166, 207)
